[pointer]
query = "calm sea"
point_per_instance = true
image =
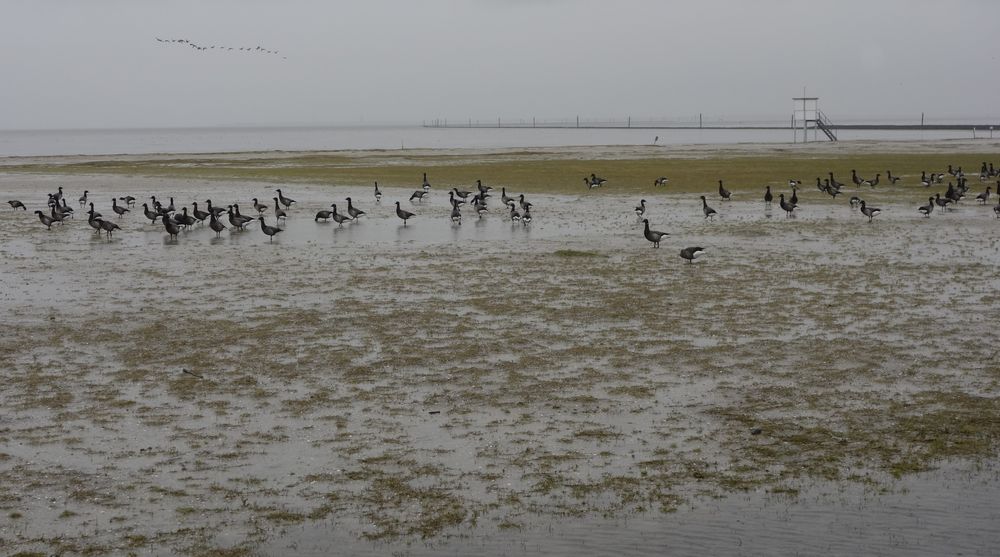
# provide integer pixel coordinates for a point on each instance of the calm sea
(237, 139)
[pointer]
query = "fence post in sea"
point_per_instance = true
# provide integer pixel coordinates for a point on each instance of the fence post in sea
(532, 121)
(578, 121)
(629, 122)
(699, 120)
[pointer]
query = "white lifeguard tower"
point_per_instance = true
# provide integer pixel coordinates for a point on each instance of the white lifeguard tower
(807, 116)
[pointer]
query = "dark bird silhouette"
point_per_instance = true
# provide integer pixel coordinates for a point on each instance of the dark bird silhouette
(15, 205)
(926, 210)
(353, 211)
(324, 214)
(215, 224)
(661, 181)
(640, 209)
(151, 215)
(709, 212)
(870, 212)
(724, 193)
(690, 254)
(405, 215)
(768, 198)
(338, 218)
(286, 201)
(418, 195)
(83, 198)
(259, 206)
(279, 213)
(46, 220)
(267, 229)
(425, 184)
(653, 236)
(119, 210)
(456, 215)
(892, 179)
(198, 213)
(171, 227)
(785, 206)
(983, 197)
(378, 194)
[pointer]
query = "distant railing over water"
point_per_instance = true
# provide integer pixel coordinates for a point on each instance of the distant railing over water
(699, 123)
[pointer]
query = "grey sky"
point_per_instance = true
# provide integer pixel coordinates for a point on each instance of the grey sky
(68, 64)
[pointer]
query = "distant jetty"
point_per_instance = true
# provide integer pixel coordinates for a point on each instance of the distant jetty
(629, 124)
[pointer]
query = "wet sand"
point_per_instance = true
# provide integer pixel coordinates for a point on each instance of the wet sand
(440, 388)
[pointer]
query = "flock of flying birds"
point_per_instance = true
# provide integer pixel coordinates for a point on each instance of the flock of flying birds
(517, 209)
(245, 49)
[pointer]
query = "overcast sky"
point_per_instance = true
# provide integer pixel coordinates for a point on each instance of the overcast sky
(76, 64)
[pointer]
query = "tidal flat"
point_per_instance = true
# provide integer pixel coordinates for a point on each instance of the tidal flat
(498, 387)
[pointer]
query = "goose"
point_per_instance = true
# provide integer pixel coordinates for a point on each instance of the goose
(378, 194)
(870, 212)
(514, 215)
(259, 206)
(597, 180)
(170, 208)
(353, 211)
(939, 177)
(279, 213)
(871, 183)
(108, 227)
(184, 219)
(425, 185)
(524, 204)
(454, 202)
(418, 195)
(692, 253)
(83, 198)
(892, 179)
(724, 193)
(503, 197)
(52, 201)
(215, 224)
(855, 201)
(640, 209)
(854, 178)
(236, 221)
(926, 210)
(151, 215)
(286, 201)
(241, 217)
(833, 193)
(338, 218)
(171, 227)
(128, 200)
(119, 210)
(794, 200)
(820, 186)
(198, 213)
(834, 182)
(924, 181)
(94, 222)
(709, 212)
(405, 215)
(481, 209)
(768, 198)
(217, 211)
(983, 197)
(462, 194)
(324, 214)
(65, 209)
(793, 183)
(56, 214)
(526, 217)
(653, 236)
(482, 188)
(996, 208)
(58, 195)
(456, 215)
(590, 183)
(269, 230)
(943, 203)
(785, 206)
(46, 220)
(661, 181)
(15, 205)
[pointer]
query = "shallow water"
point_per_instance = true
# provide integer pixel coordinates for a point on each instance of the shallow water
(457, 388)
(14, 143)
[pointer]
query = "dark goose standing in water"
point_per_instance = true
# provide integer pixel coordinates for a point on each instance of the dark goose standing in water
(709, 212)
(267, 229)
(405, 215)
